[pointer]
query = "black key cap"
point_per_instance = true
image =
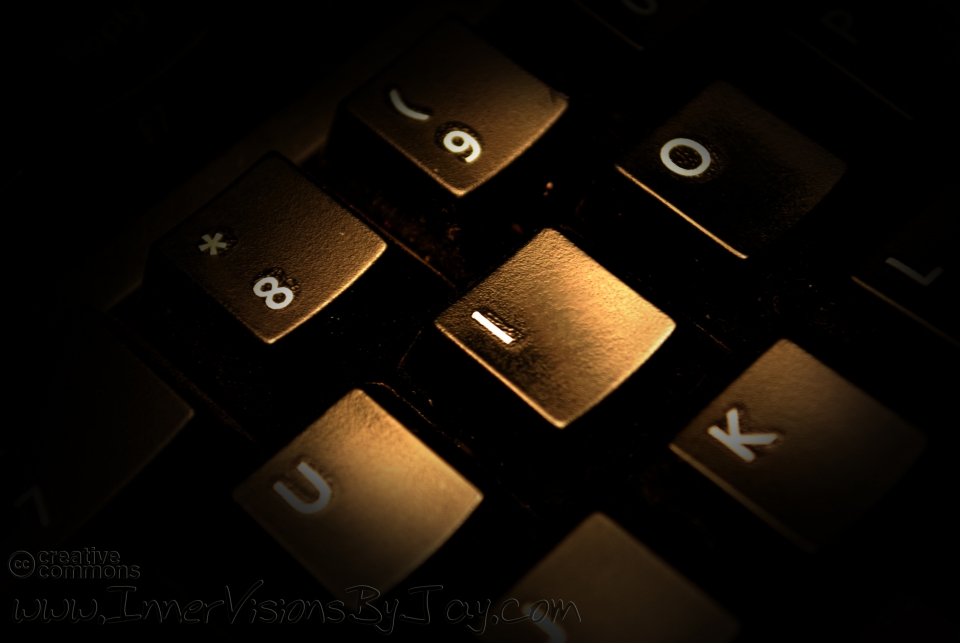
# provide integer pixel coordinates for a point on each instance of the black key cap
(273, 250)
(641, 23)
(610, 588)
(107, 415)
(917, 271)
(357, 498)
(733, 170)
(457, 108)
(800, 446)
(902, 54)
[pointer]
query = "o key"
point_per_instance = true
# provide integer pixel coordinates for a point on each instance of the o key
(741, 196)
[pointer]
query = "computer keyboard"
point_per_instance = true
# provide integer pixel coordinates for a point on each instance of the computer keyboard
(531, 321)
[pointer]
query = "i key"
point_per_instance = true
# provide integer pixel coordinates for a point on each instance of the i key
(555, 327)
(357, 498)
(607, 587)
(917, 271)
(735, 171)
(455, 107)
(800, 446)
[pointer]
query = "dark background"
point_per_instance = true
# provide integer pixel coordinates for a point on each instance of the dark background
(111, 106)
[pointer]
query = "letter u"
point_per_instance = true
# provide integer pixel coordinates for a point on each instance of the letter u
(323, 491)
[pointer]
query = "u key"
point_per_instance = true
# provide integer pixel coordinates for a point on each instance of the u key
(323, 491)
(397, 501)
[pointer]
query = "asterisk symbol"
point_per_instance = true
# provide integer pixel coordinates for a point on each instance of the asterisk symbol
(213, 244)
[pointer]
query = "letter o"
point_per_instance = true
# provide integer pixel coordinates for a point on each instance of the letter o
(685, 142)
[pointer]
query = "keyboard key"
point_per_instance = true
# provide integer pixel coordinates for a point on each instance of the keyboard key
(272, 250)
(357, 499)
(641, 23)
(457, 108)
(917, 271)
(800, 446)
(556, 328)
(736, 172)
(107, 416)
(900, 54)
(601, 585)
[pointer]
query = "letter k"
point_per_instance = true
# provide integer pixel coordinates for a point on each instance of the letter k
(735, 441)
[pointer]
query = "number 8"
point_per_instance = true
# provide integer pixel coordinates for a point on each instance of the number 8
(270, 293)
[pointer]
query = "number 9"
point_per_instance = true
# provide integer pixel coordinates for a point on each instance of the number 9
(458, 141)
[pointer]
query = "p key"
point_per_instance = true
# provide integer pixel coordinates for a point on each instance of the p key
(357, 499)
(605, 586)
(733, 170)
(457, 108)
(800, 446)
(556, 328)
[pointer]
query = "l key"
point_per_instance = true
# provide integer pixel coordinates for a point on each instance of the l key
(917, 271)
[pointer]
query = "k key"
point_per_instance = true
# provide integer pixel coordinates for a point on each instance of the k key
(732, 169)
(800, 446)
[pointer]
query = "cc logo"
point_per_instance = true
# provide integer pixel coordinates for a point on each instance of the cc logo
(21, 564)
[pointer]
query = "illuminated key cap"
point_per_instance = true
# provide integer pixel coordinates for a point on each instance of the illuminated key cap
(601, 585)
(273, 250)
(456, 107)
(732, 169)
(357, 499)
(556, 327)
(800, 446)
